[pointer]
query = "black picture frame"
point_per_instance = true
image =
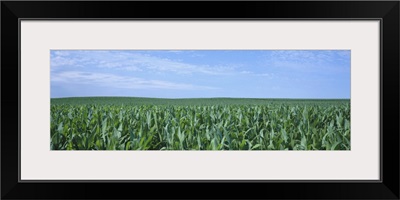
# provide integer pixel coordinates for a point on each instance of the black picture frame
(386, 11)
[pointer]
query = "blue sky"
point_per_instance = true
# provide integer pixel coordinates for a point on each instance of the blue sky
(201, 73)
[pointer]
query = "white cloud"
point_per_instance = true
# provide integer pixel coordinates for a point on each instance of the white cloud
(61, 53)
(66, 59)
(250, 73)
(62, 61)
(116, 81)
(175, 51)
(132, 61)
(158, 64)
(310, 60)
(270, 75)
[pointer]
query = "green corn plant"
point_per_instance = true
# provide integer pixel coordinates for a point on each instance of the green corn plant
(199, 124)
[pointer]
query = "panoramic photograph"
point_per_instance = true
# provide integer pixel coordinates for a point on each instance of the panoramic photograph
(185, 100)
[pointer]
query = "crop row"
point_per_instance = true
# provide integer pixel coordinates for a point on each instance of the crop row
(219, 127)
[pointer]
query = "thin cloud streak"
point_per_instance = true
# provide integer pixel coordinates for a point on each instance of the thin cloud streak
(337, 61)
(111, 80)
(133, 62)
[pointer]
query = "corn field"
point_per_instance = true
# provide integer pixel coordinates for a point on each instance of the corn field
(199, 124)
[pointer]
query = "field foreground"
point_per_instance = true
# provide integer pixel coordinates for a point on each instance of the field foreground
(128, 123)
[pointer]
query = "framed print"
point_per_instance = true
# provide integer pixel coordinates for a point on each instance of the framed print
(279, 95)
